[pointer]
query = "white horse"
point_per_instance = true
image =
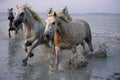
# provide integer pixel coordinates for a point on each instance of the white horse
(33, 29)
(67, 35)
(63, 13)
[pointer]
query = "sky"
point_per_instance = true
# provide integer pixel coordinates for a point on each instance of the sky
(74, 6)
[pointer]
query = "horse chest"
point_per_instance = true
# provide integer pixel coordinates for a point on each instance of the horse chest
(62, 42)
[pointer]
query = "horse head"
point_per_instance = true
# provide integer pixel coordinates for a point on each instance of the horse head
(20, 16)
(10, 14)
(51, 26)
(49, 11)
(24, 13)
(65, 11)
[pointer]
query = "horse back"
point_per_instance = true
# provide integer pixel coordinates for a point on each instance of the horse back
(83, 26)
(78, 31)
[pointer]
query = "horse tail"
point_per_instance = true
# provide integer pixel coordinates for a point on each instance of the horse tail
(88, 37)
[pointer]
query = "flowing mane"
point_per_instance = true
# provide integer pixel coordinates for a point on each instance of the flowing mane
(64, 14)
(33, 13)
(61, 29)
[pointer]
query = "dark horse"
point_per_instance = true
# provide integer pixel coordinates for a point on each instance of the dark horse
(11, 18)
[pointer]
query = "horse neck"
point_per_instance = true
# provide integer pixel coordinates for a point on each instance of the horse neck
(64, 30)
(29, 22)
(12, 17)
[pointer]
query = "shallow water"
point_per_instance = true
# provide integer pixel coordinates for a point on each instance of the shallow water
(105, 30)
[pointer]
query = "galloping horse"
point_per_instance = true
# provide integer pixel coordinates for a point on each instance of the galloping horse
(33, 29)
(66, 35)
(11, 18)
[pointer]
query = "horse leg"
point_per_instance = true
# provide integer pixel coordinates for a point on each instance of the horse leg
(26, 44)
(57, 57)
(78, 58)
(53, 47)
(89, 42)
(30, 54)
(74, 51)
(85, 46)
(15, 31)
(9, 32)
(20, 27)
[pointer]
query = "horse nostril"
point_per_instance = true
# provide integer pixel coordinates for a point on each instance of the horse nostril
(46, 36)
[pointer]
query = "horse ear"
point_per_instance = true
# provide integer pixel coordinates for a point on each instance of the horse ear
(17, 6)
(65, 7)
(49, 11)
(54, 14)
(11, 9)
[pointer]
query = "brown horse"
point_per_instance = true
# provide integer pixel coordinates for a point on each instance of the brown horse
(67, 35)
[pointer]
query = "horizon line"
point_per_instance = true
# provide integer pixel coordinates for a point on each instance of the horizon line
(80, 13)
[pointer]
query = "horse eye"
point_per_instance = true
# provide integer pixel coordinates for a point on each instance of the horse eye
(53, 23)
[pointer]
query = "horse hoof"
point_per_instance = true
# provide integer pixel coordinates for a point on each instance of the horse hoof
(25, 49)
(15, 32)
(51, 69)
(24, 62)
(31, 55)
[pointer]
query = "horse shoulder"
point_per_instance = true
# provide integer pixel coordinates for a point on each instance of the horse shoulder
(60, 41)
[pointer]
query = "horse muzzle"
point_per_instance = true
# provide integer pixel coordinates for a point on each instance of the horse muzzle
(16, 23)
(46, 37)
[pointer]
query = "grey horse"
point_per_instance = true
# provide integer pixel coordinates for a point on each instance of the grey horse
(33, 29)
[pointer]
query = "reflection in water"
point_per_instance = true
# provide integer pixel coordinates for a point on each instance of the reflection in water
(17, 71)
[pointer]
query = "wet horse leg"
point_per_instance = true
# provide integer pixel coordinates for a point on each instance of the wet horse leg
(84, 47)
(57, 56)
(21, 27)
(26, 44)
(9, 32)
(53, 47)
(15, 31)
(89, 42)
(90, 45)
(30, 54)
(80, 57)
(74, 51)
